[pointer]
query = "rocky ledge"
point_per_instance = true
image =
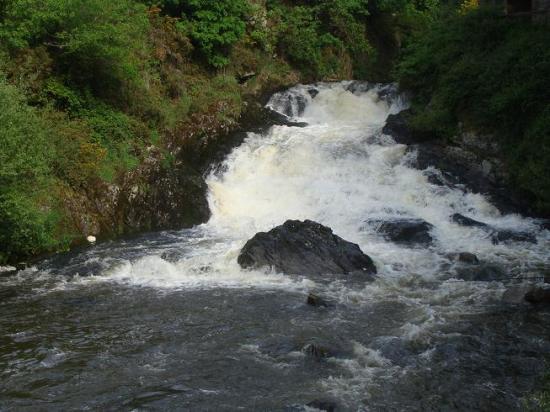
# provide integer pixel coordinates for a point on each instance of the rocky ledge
(468, 160)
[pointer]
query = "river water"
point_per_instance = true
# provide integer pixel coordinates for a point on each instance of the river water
(168, 321)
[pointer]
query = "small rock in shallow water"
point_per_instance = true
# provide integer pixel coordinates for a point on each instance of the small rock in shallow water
(516, 294)
(316, 351)
(314, 300)
(466, 257)
(327, 406)
(538, 295)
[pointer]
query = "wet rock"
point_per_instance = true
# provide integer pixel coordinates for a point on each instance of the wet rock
(479, 169)
(497, 236)
(405, 231)
(359, 87)
(313, 93)
(466, 257)
(280, 119)
(467, 221)
(316, 351)
(316, 301)
(484, 272)
(397, 127)
(538, 295)
(516, 294)
(305, 248)
(172, 198)
(322, 405)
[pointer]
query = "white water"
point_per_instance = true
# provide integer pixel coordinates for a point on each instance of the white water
(339, 171)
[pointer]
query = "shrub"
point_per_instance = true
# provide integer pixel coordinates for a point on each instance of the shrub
(97, 43)
(215, 26)
(27, 222)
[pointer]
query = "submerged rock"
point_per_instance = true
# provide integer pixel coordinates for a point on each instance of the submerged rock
(538, 295)
(527, 293)
(316, 301)
(467, 221)
(466, 257)
(316, 351)
(497, 236)
(305, 248)
(405, 231)
(322, 405)
(484, 272)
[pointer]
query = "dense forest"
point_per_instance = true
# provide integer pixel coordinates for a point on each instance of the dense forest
(93, 91)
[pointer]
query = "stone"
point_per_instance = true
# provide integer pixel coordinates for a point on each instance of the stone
(485, 272)
(466, 257)
(497, 235)
(405, 231)
(538, 295)
(305, 248)
(467, 221)
(316, 301)
(510, 235)
(316, 351)
(322, 405)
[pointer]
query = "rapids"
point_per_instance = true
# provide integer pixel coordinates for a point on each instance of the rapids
(168, 321)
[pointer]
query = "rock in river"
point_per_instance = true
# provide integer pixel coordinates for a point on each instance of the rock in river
(305, 248)
(497, 235)
(405, 231)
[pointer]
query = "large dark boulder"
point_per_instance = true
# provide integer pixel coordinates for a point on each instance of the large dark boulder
(405, 231)
(305, 248)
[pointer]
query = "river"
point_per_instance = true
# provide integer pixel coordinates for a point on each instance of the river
(169, 321)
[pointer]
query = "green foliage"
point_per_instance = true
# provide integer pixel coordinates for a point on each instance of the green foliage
(323, 38)
(216, 26)
(26, 229)
(493, 74)
(97, 43)
(25, 151)
(27, 224)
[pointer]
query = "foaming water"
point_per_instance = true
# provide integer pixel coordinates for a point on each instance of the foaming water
(174, 314)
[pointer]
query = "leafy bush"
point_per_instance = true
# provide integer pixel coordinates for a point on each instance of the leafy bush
(324, 37)
(97, 43)
(215, 26)
(26, 222)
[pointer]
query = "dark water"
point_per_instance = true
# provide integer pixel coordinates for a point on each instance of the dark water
(168, 321)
